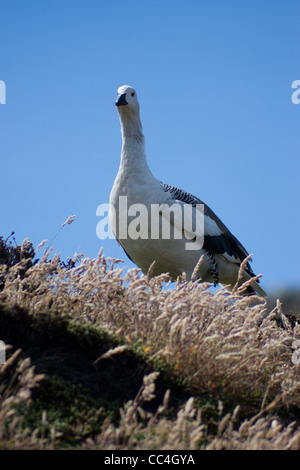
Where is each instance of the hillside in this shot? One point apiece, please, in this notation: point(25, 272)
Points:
point(100, 360)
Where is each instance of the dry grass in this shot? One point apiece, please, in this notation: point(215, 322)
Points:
point(189, 369)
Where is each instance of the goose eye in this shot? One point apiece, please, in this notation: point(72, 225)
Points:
point(132, 94)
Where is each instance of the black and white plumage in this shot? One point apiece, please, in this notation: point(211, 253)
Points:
point(223, 253)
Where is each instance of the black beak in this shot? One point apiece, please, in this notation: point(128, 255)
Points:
point(121, 100)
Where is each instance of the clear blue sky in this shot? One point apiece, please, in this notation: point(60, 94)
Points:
point(214, 84)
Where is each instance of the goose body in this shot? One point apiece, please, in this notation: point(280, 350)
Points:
point(136, 195)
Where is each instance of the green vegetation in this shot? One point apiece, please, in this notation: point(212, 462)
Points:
point(96, 360)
